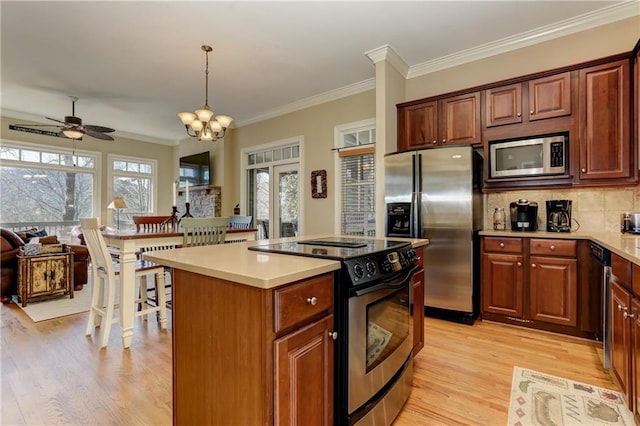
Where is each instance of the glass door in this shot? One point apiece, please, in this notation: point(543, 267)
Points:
point(274, 202)
point(285, 221)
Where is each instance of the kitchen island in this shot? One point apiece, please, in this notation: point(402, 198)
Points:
point(252, 335)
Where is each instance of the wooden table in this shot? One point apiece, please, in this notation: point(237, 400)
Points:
point(130, 242)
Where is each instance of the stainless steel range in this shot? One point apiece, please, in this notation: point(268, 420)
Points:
point(373, 302)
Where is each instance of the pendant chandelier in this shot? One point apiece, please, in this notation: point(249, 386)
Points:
point(203, 125)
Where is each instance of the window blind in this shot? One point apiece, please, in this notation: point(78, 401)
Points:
point(358, 192)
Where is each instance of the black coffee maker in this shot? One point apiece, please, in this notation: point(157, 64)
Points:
point(558, 215)
point(524, 215)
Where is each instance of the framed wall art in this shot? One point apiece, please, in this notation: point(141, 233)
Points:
point(319, 184)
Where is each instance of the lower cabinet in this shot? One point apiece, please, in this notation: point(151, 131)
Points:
point(244, 355)
point(624, 320)
point(44, 275)
point(534, 282)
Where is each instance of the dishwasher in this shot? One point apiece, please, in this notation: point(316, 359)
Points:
point(601, 272)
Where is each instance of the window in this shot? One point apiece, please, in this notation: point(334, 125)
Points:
point(133, 179)
point(357, 178)
point(46, 187)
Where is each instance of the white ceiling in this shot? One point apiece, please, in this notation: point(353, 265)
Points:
point(135, 65)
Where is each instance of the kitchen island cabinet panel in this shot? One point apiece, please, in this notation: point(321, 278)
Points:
point(224, 341)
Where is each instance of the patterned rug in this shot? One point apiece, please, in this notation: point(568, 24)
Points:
point(544, 400)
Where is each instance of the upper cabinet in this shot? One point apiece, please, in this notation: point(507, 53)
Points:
point(538, 99)
point(449, 121)
point(605, 123)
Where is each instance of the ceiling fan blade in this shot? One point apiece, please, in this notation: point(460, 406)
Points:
point(39, 125)
point(55, 119)
point(97, 135)
point(99, 128)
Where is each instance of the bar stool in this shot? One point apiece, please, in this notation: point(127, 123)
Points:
point(103, 288)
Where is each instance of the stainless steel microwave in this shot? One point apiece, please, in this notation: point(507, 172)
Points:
point(537, 156)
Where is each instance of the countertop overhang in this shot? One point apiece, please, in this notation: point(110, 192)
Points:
point(624, 245)
point(235, 262)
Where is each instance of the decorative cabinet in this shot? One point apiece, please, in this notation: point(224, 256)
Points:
point(450, 121)
point(418, 306)
point(44, 275)
point(606, 146)
point(545, 97)
point(534, 282)
point(252, 356)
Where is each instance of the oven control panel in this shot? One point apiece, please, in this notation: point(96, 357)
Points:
point(378, 266)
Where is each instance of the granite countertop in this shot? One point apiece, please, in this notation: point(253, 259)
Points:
point(625, 245)
point(235, 262)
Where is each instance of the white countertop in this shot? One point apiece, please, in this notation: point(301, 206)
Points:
point(235, 262)
point(625, 245)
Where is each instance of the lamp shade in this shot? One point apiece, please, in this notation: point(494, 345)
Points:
point(117, 203)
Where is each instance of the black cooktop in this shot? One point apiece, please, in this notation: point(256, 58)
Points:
point(337, 248)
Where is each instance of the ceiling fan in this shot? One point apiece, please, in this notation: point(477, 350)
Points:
point(71, 127)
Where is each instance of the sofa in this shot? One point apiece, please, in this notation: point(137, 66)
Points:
point(10, 243)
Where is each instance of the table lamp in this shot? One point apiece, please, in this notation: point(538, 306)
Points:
point(117, 204)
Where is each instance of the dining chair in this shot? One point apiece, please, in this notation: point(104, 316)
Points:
point(240, 222)
point(105, 276)
point(204, 231)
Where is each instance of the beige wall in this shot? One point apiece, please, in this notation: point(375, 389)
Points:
point(316, 125)
point(162, 153)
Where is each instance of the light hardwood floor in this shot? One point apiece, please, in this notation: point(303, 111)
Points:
point(51, 373)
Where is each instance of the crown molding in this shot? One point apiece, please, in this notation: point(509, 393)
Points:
point(583, 22)
point(322, 98)
point(388, 54)
point(9, 114)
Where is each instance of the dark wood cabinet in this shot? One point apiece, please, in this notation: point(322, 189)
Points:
point(304, 373)
point(635, 360)
point(450, 121)
point(534, 282)
point(418, 306)
point(546, 97)
point(619, 306)
point(502, 276)
point(605, 147)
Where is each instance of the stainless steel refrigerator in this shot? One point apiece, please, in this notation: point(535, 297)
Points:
point(436, 194)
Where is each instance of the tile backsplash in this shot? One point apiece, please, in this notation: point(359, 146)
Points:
point(592, 209)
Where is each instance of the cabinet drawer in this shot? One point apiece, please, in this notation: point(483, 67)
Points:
point(553, 247)
point(296, 303)
point(503, 245)
point(621, 268)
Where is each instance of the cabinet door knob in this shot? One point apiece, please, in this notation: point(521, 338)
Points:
point(626, 315)
point(313, 301)
point(583, 170)
point(622, 308)
point(518, 115)
point(552, 248)
point(333, 335)
point(519, 263)
point(501, 245)
point(434, 142)
point(531, 112)
point(533, 265)
point(444, 141)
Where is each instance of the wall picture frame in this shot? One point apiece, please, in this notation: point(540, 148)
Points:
point(319, 184)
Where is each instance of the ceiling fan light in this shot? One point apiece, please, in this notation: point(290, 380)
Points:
point(224, 120)
point(187, 117)
point(73, 133)
point(204, 114)
point(215, 126)
point(197, 125)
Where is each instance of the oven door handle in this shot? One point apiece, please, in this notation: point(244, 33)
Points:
point(393, 284)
